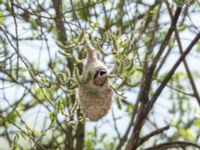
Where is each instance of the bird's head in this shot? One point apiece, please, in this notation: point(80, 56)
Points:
point(100, 77)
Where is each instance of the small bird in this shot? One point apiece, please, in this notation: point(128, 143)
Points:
point(95, 92)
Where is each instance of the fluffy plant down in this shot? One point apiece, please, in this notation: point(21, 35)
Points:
point(95, 92)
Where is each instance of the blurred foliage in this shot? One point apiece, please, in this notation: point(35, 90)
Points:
point(42, 58)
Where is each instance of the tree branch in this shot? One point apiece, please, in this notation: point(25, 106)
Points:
point(147, 79)
point(177, 144)
point(196, 93)
point(171, 72)
point(158, 131)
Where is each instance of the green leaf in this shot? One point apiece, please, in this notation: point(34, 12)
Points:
point(34, 24)
point(94, 25)
point(92, 134)
point(132, 71)
point(179, 2)
point(2, 19)
point(190, 2)
point(43, 81)
point(198, 47)
point(103, 136)
point(60, 106)
point(186, 134)
point(12, 117)
point(197, 123)
point(88, 144)
point(182, 27)
point(50, 114)
point(6, 124)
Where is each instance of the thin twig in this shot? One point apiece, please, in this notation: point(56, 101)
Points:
point(158, 131)
point(16, 36)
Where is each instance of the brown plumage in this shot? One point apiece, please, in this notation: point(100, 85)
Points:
point(94, 93)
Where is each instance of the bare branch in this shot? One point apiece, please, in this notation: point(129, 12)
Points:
point(178, 144)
